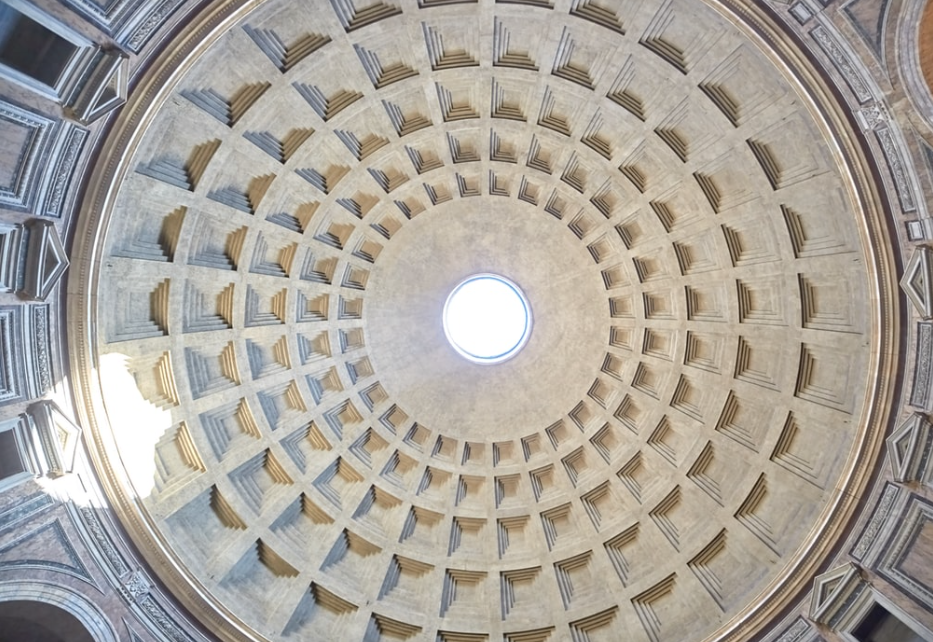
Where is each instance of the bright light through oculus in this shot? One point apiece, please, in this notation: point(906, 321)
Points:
point(487, 319)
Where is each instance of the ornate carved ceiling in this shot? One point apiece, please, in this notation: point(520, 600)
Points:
point(294, 437)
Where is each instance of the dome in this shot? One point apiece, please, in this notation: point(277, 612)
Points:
point(296, 204)
point(278, 398)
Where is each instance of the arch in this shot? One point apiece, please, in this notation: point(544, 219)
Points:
point(73, 603)
point(915, 56)
point(925, 48)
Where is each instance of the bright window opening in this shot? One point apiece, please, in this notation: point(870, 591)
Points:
point(487, 318)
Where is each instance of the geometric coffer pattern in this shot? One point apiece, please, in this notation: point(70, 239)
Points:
point(280, 204)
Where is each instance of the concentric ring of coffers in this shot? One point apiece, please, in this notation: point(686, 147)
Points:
point(687, 187)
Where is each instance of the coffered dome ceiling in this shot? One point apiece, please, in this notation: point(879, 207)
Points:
point(302, 453)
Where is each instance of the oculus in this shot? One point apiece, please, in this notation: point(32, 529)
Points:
point(487, 319)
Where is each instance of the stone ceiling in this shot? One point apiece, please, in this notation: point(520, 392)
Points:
point(315, 459)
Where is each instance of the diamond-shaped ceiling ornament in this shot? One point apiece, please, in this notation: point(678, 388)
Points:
point(917, 282)
point(46, 260)
point(908, 449)
point(832, 593)
point(56, 438)
point(99, 87)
